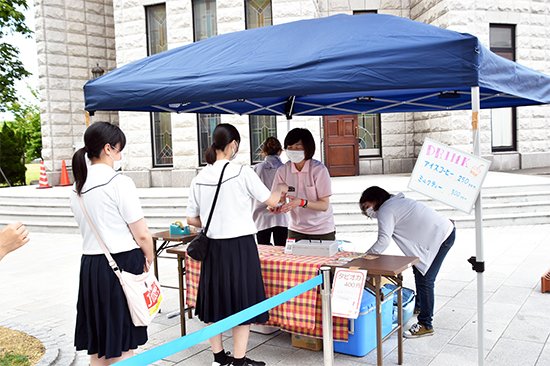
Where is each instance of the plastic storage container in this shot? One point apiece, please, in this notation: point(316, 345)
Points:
point(362, 336)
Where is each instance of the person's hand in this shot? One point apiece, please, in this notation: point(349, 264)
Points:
point(283, 189)
point(294, 202)
point(12, 236)
point(147, 264)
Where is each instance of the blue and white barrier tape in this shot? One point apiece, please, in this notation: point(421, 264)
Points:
point(179, 344)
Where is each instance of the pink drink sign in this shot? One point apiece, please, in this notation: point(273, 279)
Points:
point(449, 175)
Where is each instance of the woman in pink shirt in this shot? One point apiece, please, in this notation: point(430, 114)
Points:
point(310, 210)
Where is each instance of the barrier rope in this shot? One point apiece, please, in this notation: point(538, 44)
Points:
point(179, 344)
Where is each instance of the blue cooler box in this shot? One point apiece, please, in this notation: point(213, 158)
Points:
point(362, 331)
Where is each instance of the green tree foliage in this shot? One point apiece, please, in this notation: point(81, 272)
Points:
point(27, 124)
point(12, 21)
point(12, 155)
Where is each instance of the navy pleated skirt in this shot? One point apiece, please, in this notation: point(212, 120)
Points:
point(103, 323)
point(230, 280)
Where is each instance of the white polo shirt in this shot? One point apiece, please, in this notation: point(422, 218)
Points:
point(233, 212)
point(112, 202)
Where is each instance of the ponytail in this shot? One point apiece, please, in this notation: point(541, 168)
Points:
point(80, 170)
point(210, 154)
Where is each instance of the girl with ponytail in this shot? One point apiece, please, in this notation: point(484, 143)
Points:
point(231, 278)
point(103, 324)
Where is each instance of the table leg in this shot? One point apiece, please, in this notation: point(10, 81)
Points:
point(400, 320)
point(379, 349)
point(181, 293)
point(155, 262)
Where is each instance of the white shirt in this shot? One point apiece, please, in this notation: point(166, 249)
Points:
point(233, 212)
point(112, 202)
point(263, 218)
point(418, 230)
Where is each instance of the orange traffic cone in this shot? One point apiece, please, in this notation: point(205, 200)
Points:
point(43, 182)
point(545, 282)
point(64, 180)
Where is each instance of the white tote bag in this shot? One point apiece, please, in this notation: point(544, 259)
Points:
point(143, 293)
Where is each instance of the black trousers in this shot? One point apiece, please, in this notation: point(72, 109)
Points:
point(280, 233)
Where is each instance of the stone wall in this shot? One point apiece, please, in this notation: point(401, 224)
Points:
point(131, 45)
point(72, 37)
point(532, 44)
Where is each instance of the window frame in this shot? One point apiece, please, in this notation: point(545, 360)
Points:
point(193, 19)
point(151, 114)
point(252, 149)
point(246, 26)
point(199, 135)
point(498, 51)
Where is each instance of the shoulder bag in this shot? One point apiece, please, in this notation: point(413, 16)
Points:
point(142, 292)
point(198, 247)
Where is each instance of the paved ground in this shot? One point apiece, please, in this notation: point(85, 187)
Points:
point(42, 280)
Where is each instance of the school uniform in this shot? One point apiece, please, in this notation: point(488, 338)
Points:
point(103, 323)
point(231, 278)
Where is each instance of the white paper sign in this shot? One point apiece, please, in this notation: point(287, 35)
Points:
point(449, 175)
point(347, 291)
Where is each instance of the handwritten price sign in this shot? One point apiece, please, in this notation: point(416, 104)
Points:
point(449, 175)
point(347, 291)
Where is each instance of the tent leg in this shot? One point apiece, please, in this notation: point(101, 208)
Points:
point(328, 345)
point(478, 261)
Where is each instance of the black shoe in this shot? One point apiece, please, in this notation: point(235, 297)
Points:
point(249, 362)
point(228, 362)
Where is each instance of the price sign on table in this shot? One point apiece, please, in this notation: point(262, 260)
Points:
point(449, 175)
point(347, 291)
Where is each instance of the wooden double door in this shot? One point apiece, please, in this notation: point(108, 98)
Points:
point(341, 145)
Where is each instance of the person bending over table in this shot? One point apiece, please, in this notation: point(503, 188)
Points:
point(310, 210)
point(231, 277)
point(267, 222)
point(419, 231)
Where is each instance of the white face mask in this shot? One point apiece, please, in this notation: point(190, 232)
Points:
point(117, 164)
point(295, 156)
point(233, 153)
point(371, 213)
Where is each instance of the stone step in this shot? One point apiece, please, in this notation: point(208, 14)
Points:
point(49, 211)
point(355, 225)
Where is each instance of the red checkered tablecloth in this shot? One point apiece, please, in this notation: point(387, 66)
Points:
point(280, 272)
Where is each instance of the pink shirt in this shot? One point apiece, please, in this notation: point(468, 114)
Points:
point(312, 183)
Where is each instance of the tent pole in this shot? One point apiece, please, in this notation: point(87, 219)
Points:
point(478, 261)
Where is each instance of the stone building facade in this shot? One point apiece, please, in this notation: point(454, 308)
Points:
point(74, 36)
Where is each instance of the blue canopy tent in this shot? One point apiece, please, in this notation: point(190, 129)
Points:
point(328, 66)
point(336, 65)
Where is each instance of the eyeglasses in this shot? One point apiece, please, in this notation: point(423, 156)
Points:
point(113, 147)
point(364, 209)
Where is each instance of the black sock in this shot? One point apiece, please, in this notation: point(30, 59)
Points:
point(221, 358)
point(238, 361)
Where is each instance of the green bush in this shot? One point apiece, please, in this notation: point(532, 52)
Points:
point(12, 359)
point(12, 155)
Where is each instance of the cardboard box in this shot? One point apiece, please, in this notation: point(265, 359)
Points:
point(305, 342)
